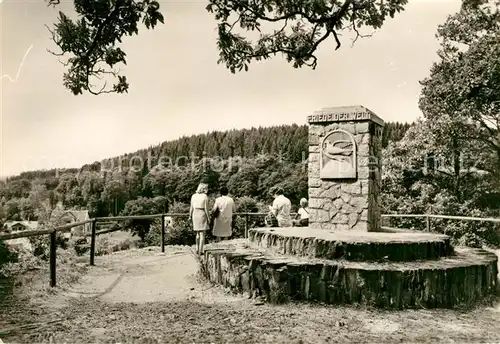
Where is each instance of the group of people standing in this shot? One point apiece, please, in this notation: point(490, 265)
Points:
point(221, 213)
point(220, 217)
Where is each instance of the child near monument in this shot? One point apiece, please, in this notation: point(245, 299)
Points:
point(302, 218)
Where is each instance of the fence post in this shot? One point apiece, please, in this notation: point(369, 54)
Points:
point(428, 223)
point(163, 233)
point(53, 248)
point(92, 243)
point(246, 226)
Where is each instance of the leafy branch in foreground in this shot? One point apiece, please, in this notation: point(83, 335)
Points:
point(91, 41)
point(305, 25)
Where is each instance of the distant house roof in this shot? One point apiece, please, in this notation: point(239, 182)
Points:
point(76, 215)
point(81, 215)
point(30, 225)
point(72, 216)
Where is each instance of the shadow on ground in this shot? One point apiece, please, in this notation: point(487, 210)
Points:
point(143, 296)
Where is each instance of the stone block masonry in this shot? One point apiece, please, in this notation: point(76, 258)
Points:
point(463, 279)
point(343, 257)
point(345, 169)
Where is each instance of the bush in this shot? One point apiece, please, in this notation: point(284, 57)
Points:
point(153, 237)
point(470, 240)
point(248, 205)
point(463, 233)
point(106, 244)
point(25, 261)
point(469, 233)
point(6, 256)
point(41, 244)
point(81, 246)
point(143, 206)
point(239, 227)
point(180, 233)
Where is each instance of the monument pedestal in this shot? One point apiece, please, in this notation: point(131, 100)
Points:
point(336, 260)
point(345, 169)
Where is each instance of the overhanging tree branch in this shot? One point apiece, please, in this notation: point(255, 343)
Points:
point(93, 40)
point(300, 44)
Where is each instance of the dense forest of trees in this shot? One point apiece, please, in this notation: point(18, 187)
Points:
point(248, 161)
point(446, 163)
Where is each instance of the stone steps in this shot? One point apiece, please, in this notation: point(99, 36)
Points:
point(351, 245)
point(464, 278)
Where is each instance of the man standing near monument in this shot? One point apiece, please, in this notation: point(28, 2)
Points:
point(281, 207)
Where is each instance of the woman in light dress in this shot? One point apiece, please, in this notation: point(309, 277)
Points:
point(224, 208)
point(198, 213)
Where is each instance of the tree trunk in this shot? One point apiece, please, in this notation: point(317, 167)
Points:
point(456, 169)
point(497, 172)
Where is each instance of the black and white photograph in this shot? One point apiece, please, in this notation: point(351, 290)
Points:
point(249, 171)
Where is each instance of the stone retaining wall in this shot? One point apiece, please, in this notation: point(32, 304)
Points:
point(451, 282)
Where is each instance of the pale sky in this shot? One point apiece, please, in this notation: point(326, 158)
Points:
point(178, 89)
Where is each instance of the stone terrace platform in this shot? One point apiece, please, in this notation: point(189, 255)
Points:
point(345, 256)
point(386, 270)
point(351, 245)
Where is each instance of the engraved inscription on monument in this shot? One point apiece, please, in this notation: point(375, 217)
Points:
point(339, 117)
point(338, 156)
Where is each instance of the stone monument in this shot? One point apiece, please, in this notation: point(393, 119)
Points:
point(345, 169)
point(345, 256)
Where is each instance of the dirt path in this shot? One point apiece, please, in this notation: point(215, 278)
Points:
point(148, 297)
point(141, 276)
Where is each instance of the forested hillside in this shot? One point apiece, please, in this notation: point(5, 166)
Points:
point(446, 163)
point(248, 161)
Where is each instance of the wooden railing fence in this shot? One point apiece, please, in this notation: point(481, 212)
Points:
point(94, 233)
point(428, 218)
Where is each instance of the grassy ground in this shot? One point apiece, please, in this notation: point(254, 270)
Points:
point(141, 295)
